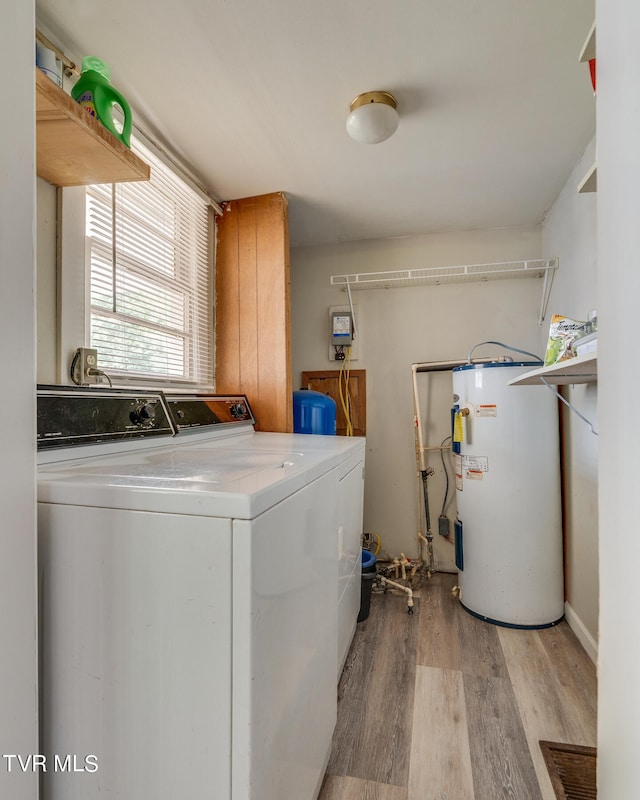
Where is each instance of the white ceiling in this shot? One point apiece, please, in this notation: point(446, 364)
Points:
point(494, 107)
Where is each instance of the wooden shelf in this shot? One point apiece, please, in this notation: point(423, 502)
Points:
point(581, 369)
point(73, 148)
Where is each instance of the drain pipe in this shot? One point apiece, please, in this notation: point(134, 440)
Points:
point(425, 475)
point(385, 581)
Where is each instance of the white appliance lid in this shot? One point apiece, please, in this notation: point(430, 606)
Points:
point(237, 479)
point(215, 465)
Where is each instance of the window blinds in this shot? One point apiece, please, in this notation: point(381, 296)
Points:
point(151, 279)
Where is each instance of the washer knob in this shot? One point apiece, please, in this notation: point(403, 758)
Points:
point(147, 411)
point(238, 410)
point(144, 413)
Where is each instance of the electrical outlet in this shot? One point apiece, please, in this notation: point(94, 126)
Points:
point(84, 361)
point(443, 525)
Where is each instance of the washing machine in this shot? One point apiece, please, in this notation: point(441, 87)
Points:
point(188, 582)
point(190, 418)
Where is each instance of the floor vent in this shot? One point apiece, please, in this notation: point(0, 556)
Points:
point(572, 769)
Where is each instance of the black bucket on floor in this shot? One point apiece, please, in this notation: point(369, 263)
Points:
point(366, 584)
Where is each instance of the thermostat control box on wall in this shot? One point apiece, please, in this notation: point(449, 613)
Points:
point(342, 333)
point(341, 328)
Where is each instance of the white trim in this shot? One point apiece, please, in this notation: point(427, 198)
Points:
point(73, 285)
point(584, 637)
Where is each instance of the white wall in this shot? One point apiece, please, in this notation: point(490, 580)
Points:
point(18, 672)
point(569, 232)
point(398, 327)
point(618, 119)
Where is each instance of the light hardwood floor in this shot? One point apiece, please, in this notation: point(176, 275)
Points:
point(442, 706)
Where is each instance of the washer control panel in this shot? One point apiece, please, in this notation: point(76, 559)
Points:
point(205, 410)
point(70, 417)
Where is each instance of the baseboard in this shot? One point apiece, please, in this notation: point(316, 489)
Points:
point(584, 637)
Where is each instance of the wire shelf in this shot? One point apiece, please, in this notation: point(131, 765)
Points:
point(434, 276)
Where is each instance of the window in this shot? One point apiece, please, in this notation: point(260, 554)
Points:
point(151, 283)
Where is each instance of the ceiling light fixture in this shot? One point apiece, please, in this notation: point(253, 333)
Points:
point(373, 117)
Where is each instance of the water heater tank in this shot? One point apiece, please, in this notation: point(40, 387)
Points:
point(509, 531)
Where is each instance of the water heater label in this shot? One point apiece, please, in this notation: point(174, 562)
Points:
point(474, 475)
point(457, 466)
point(487, 411)
point(475, 463)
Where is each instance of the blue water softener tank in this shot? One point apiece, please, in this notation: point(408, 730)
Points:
point(313, 412)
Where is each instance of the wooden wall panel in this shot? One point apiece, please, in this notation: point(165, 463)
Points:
point(253, 327)
point(227, 311)
point(248, 295)
point(274, 301)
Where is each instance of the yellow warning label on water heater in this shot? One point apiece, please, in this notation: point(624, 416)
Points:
point(458, 428)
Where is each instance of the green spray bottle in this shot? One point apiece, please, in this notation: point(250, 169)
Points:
point(95, 92)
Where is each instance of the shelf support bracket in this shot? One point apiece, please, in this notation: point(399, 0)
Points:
point(547, 283)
